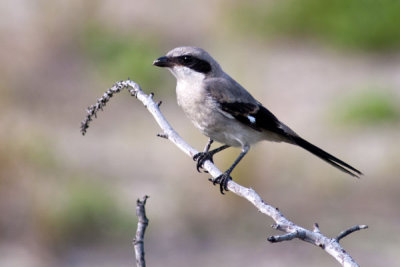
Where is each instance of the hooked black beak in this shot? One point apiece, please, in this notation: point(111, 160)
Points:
point(163, 62)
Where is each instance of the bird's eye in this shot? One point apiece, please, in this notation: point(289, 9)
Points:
point(186, 60)
point(193, 63)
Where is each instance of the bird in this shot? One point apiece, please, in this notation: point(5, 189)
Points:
point(226, 112)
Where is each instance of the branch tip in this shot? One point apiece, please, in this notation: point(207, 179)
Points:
point(162, 135)
point(142, 201)
point(349, 231)
point(101, 102)
point(285, 237)
point(316, 228)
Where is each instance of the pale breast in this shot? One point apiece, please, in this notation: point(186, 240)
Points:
point(196, 105)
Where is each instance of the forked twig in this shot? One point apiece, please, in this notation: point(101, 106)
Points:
point(138, 242)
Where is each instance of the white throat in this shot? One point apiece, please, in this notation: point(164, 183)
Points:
point(185, 74)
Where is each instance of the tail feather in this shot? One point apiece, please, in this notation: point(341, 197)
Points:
point(341, 165)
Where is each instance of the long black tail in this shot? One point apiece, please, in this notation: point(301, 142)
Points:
point(341, 165)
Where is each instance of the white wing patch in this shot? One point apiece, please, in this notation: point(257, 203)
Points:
point(251, 119)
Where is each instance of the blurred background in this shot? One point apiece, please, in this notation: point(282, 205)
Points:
point(328, 69)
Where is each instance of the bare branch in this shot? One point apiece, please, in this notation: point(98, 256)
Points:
point(162, 135)
point(316, 228)
point(138, 242)
point(349, 231)
point(285, 237)
point(330, 245)
point(101, 102)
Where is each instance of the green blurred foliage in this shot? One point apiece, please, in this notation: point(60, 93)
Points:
point(68, 207)
point(118, 56)
point(86, 212)
point(29, 149)
point(365, 24)
point(367, 107)
point(37, 150)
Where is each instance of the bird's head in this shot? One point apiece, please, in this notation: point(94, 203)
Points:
point(189, 62)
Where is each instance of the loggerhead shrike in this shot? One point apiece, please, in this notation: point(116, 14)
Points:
point(225, 112)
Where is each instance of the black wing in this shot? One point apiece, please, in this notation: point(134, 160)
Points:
point(246, 109)
point(255, 116)
point(251, 113)
point(258, 118)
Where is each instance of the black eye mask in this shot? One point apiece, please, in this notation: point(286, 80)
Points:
point(194, 63)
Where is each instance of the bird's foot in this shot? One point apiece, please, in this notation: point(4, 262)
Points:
point(222, 180)
point(202, 157)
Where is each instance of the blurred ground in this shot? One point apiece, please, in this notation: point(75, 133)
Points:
point(68, 200)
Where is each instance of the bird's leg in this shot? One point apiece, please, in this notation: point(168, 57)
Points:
point(224, 178)
point(201, 157)
point(204, 156)
point(207, 147)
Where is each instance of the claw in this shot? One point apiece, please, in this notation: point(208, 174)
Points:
point(196, 156)
point(198, 167)
point(222, 180)
point(202, 157)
